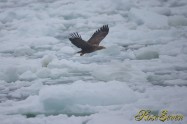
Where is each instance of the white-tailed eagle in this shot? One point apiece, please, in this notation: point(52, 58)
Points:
point(93, 43)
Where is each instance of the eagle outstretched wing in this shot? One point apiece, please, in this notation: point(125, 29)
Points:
point(76, 39)
point(99, 35)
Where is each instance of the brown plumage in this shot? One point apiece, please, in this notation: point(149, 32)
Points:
point(93, 43)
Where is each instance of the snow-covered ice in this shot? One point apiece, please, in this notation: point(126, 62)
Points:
point(44, 81)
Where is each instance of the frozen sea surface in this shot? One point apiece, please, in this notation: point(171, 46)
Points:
point(44, 81)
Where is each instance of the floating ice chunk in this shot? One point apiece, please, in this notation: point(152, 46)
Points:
point(111, 118)
point(11, 74)
point(133, 16)
point(176, 4)
point(24, 89)
point(8, 17)
point(129, 54)
point(46, 60)
point(45, 1)
point(112, 50)
point(150, 19)
point(179, 82)
point(39, 42)
point(172, 48)
point(163, 10)
point(122, 4)
point(177, 21)
point(28, 76)
point(2, 76)
point(116, 70)
point(64, 97)
point(58, 73)
point(147, 55)
point(24, 50)
point(67, 50)
point(43, 73)
point(31, 104)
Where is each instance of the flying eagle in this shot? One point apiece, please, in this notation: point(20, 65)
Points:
point(93, 43)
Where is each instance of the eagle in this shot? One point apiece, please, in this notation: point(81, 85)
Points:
point(92, 44)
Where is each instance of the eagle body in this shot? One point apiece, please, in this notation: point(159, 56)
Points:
point(90, 50)
point(92, 44)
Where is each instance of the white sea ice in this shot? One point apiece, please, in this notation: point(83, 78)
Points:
point(177, 21)
point(43, 79)
point(162, 10)
point(46, 60)
point(150, 19)
point(43, 73)
point(79, 94)
point(24, 50)
point(11, 74)
point(147, 55)
point(28, 76)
